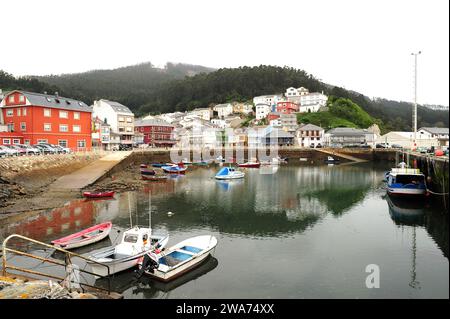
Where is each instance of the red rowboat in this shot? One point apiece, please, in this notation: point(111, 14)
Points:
point(250, 165)
point(85, 237)
point(98, 194)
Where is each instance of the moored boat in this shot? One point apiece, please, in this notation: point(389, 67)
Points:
point(406, 181)
point(174, 169)
point(136, 242)
point(145, 170)
point(178, 259)
point(98, 194)
point(85, 237)
point(158, 164)
point(331, 160)
point(154, 177)
point(250, 165)
point(229, 173)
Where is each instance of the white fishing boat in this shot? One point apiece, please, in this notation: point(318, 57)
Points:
point(178, 259)
point(229, 173)
point(136, 242)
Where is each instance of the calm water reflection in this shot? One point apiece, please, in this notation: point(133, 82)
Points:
point(302, 232)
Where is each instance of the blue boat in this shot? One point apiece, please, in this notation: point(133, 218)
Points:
point(406, 181)
point(158, 164)
point(174, 169)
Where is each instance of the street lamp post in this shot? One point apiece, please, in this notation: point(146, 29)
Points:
point(414, 115)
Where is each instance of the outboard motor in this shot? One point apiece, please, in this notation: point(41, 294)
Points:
point(148, 264)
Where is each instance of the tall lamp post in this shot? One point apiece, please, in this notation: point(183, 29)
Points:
point(414, 115)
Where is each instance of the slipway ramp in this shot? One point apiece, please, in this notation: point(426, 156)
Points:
point(89, 174)
point(345, 156)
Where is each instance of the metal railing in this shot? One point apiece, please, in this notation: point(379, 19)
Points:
point(67, 261)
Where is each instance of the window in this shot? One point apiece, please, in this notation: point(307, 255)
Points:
point(76, 128)
point(42, 141)
point(16, 141)
point(64, 128)
point(47, 127)
point(11, 99)
point(129, 129)
point(129, 120)
point(10, 112)
point(23, 126)
point(121, 119)
point(81, 144)
point(6, 141)
point(121, 129)
point(76, 115)
point(27, 142)
point(63, 114)
point(24, 111)
point(21, 98)
point(18, 112)
point(62, 143)
point(10, 127)
point(47, 112)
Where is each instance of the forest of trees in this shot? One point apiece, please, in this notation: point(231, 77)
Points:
point(179, 87)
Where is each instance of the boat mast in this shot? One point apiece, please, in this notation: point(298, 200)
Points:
point(129, 211)
point(150, 211)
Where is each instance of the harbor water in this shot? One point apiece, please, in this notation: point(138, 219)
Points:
point(283, 232)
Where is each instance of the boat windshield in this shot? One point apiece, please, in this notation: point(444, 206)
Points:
point(409, 179)
point(131, 238)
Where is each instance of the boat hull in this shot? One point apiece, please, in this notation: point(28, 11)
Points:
point(121, 264)
point(252, 165)
point(406, 191)
point(98, 195)
point(71, 242)
point(229, 177)
point(177, 272)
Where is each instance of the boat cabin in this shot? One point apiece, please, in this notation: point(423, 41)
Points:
point(135, 239)
point(406, 176)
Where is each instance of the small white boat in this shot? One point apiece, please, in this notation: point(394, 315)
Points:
point(229, 173)
point(178, 259)
point(136, 242)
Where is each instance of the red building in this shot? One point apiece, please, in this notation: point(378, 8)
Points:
point(273, 116)
point(287, 107)
point(156, 133)
point(43, 118)
point(10, 138)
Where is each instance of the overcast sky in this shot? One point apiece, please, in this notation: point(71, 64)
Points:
point(361, 45)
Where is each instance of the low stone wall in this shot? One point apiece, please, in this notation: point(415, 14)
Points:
point(12, 167)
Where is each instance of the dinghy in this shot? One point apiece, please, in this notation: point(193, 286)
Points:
point(331, 160)
point(154, 177)
point(229, 173)
point(174, 169)
point(98, 194)
point(145, 170)
point(85, 237)
point(250, 165)
point(178, 259)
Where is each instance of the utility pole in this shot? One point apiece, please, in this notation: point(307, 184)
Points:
point(414, 113)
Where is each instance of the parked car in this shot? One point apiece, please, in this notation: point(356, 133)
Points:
point(319, 145)
point(30, 150)
point(61, 149)
point(382, 145)
point(22, 151)
point(431, 150)
point(2, 152)
point(7, 151)
point(45, 149)
point(397, 146)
